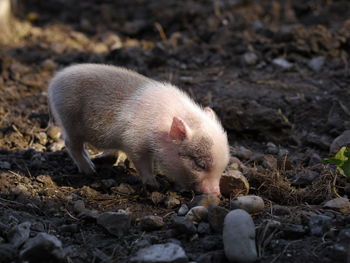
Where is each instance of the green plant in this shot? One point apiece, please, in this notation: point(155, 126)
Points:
point(342, 161)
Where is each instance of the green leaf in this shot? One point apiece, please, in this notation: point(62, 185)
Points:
point(341, 160)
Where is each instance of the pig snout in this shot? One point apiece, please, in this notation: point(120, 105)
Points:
point(209, 187)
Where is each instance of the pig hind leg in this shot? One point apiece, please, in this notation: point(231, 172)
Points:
point(78, 153)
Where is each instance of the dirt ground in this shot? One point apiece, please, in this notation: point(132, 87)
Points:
point(276, 73)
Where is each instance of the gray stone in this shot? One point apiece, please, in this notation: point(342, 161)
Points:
point(282, 63)
point(293, 231)
point(239, 237)
point(5, 165)
point(150, 223)
point(319, 224)
point(198, 214)
point(341, 247)
point(216, 217)
point(243, 153)
point(250, 58)
point(79, 206)
point(116, 223)
point(203, 228)
point(342, 140)
point(42, 248)
point(161, 253)
point(183, 225)
point(7, 253)
point(304, 178)
point(280, 210)
point(339, 204)
point(182, 210)
point(316, 63)
point(212, 257)
point(251, 203)
point(19, 234)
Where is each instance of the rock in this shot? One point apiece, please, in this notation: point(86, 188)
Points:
point(157, 197)
point(182, 210)
point(54, 133)
point(216, 217)
point(42, 137)
point(72, 228)
point(243, 153)
point(116, 223)
point(293, 231)
point(305, 178)
point(150, 223)
point(316, 63)
point(5, 165)
point(342, 140)
point(239, 237)
point(108, 183)
point(198, 214)
point(123, 189)
point(161, 253)
point(7, 253)
point(57, 146)
point(19, 234)
point(282, 63)
point(280, 210)
point(49, 64)
point(172, 201)
point(340, 204)
point(42, 248)
point(319, 224)
point(205, 200)
point(269, 162)
point(271, 148)
point(233, 183)
point(79, 206)
point(183, 225)
point(249, 58)
point(203, 228)
point(251, 203)
point(341, 247)
point(212, 257)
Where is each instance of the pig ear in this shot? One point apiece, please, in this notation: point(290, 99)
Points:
point(179, 130)
point(209, 111)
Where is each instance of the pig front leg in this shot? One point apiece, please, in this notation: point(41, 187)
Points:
point(144, 165)
point(80, 156)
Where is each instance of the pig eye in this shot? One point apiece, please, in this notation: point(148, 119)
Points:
point(199, 163)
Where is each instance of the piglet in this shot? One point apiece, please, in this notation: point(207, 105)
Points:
point(115, 109)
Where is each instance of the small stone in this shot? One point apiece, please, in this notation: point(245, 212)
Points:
point(198, 214)
point(293, 231)
point(243, 153)
point(250, 58)
point(123, 189)
point(305, 178)
point(20, 189)
point(157, 197)
point(57, 146)
point(172, 202)
point(54, 133)
point(5, 165)
point(205, 200)
point(116, 223)
point(49, 64)
point(341, 204)
point(79, 206)
point(203, 228)
point(108, 183)
point(251, 203)
point(282, 63)
point(89, 214)
point(280, 210)
point(182, 210)
point(341, 247)
point(239, 237)
point(342, 140)
point(271, 148)
point(233, 182)
point(269, 162)
point(42, 248)
point(183, 225)
point(216, 217)
point(72, 228)
point(150, 223)
point(212, 257)
point(19, 234)
point(316, 63)
point(161, 253)
point(319, 224)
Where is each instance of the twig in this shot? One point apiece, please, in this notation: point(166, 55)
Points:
point(160, 31)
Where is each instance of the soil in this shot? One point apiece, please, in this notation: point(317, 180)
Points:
point(289, 114)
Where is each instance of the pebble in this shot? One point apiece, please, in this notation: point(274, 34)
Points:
point(198, 214)
point(304, 178)
point(233, 183)
point(150, 223)
point(282, 63)
point(342, 140)
point(205, 200)
point(5, 165)
point(42, 137)
point(293, 231)
point(250, 58)
point(54, 133)
point(183, 210)
point(269, 162)
point(271, 148)
point(203, 228)
point(161, 253)
point(251, 203)
point(79, 206)
point(341, 248)
point(280, 210)
point(341, 204)
point(171, 202)
point(212, 257)
point(19, 234)
point(316, 63)
point(319, 224)
point(183, 225)
point(243, 153)
point(108, 183)
point(124, 189)
point(239, 237)
point(116, 223)
point(42, 248)
point(216, 217)
point(56, 146)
